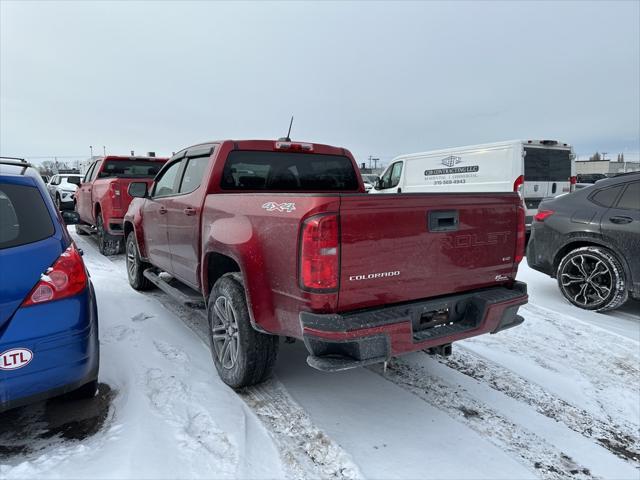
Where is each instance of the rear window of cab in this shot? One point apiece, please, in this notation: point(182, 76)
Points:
point(288, 171)
point(24, 217)
point(130, 169)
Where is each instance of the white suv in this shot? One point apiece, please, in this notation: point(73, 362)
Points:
point(62, 188)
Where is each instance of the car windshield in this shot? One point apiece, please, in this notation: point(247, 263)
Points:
point(590, 177)
point(130, 169)
point(370, 178)
point(75, 180)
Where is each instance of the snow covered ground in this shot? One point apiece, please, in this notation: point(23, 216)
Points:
point(557, 397)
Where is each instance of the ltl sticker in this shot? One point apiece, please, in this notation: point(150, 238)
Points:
point(15, 358)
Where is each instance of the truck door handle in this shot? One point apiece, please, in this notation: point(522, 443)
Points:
point(621, 220)
point(162, 210)
point(189, 211)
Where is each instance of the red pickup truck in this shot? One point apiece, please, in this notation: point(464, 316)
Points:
point(279, 238)
point(101, 200)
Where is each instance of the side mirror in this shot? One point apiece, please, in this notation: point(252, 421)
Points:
point(378, 184)
point(137, 189)
point(70, 218)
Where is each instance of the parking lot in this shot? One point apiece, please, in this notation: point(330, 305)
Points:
point(554, 398)
point(313, 240)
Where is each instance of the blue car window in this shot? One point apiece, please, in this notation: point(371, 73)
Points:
point(24, 217)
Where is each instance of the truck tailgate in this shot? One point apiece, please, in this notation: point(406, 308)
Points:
point(398, 248)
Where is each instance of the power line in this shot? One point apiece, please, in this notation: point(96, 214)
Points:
point(40, 157)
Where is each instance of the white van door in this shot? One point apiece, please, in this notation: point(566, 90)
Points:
point(547, 173)
point(390, 180)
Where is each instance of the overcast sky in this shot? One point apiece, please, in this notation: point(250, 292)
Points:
point(378, 78)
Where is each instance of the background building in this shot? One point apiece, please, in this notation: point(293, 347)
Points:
point(606, 167)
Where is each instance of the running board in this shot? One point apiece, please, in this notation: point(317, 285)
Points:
point(86, 228)
point(175, 289)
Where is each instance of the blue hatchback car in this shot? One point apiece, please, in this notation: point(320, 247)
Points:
point(48, 315)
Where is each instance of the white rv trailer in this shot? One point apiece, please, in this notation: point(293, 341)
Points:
point(535, 168)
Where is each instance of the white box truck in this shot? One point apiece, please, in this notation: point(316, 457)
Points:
point(535, 168)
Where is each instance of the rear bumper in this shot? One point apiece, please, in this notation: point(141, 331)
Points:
point(114, 226)
point(67, 204)
point(63, 337)
point(541, 249)
point(341, 341)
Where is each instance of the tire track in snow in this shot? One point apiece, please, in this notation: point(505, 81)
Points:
point(305, 451)
point(303, 447)
point(618, 439)
point(531, 450)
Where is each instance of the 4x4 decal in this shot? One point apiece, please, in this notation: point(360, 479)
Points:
point(279, 207)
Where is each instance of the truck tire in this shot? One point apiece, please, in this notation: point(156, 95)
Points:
point(592, 278)
point(106, 244)
point(135, 266)
point(242, 355)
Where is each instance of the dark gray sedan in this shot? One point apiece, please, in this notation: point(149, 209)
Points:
point(589, 241)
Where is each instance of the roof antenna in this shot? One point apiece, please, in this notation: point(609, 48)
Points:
point(288, 137)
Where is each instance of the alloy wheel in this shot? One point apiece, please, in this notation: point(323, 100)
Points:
point(132, 265)
point(587, 280)
point(224, 331)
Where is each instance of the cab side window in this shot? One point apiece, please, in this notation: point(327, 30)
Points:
point(87, 175)
point(193, 173)
point(166, 183)
point(395, 174)
point(385, 180)
point(391, 177)
point(95, 171)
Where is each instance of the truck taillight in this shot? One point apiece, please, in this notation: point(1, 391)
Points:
point(518, 185)
point(521, 234)
point(320, 253)
point(115, 194)
point(67, 277)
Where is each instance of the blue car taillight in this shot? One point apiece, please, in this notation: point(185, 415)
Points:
point(67, 277)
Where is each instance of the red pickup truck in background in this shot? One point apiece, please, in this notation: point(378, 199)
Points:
point(101, 200)
point(279, 238)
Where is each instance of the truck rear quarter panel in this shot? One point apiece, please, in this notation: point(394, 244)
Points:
point(264, 242)
point(133, 216)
